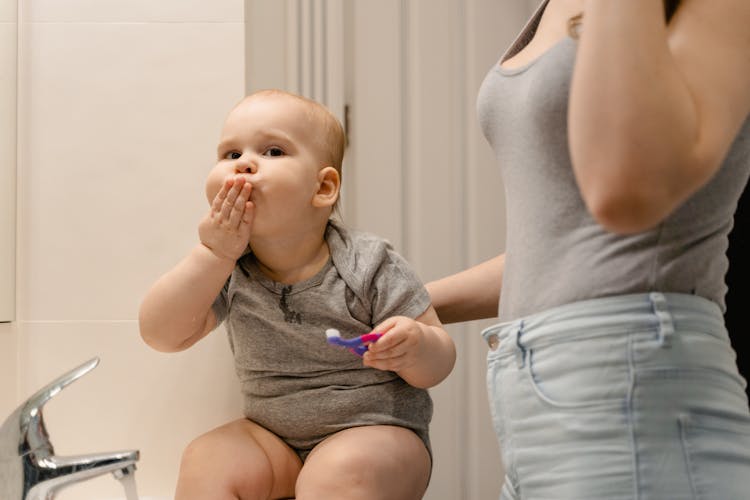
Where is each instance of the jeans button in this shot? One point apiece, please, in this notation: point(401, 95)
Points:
point(493, 342)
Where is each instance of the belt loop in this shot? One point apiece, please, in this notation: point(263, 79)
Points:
point(666, 325)
point(521, 351)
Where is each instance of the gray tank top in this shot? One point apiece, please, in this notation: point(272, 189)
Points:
point(556, 253)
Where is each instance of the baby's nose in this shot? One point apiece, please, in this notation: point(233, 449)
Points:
point(244, 167)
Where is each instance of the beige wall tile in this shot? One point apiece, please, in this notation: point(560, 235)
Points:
point(8, 11)
point(136, 398)
point(121, 106)
point(98, 11)
point(121, 123)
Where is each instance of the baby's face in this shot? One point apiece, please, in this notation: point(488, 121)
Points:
point(269, 140)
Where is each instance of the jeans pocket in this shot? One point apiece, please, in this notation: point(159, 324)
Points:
point(581, 374)
point(716, 447)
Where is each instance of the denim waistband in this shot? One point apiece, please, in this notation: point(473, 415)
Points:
point(664, 312)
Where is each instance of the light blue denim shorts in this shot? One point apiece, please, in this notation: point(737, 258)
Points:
point(627, 397)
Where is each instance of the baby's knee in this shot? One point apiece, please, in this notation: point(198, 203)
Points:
point(200, 452)
point(365, 460)
point(213, 461)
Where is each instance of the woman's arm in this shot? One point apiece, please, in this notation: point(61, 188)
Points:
point(470, 294)
point(655, 108)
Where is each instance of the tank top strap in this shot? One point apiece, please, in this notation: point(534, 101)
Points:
point(526, 34)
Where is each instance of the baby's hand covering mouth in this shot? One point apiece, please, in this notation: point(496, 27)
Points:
point(246, 179)
point(225, 230)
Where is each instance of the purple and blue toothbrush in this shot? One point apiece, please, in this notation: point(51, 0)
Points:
point(357, 345)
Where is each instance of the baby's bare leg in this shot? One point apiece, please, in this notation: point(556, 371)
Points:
point(379, 462)
point(237, 461)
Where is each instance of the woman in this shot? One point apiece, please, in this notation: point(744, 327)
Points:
point(621, 127)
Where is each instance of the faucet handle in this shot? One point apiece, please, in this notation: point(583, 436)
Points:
point(27, 419)
point(37, 400)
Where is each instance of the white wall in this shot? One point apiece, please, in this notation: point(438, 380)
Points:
point(8, 347)
point(121, 103)
point(8, 35)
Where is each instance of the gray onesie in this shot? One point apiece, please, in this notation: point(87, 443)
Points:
point(293, 382)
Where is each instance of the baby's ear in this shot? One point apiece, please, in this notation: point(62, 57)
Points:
point(329, 185)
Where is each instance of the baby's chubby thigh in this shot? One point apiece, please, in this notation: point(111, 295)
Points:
point(240, 459)
point(370, 462)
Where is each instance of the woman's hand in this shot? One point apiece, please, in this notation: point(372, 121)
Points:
point(225, 230)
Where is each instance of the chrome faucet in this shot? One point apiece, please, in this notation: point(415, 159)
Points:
point(29, 469)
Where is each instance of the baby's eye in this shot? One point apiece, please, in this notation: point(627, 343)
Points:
point(273, 151)
point(232, 155)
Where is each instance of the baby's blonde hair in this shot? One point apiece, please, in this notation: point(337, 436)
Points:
point(331, 141)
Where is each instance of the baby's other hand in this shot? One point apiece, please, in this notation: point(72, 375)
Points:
point(225, 230)
point(399, 347)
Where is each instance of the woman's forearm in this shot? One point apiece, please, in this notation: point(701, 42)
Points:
point(470, 294)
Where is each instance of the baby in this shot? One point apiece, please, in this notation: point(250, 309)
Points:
point(320, 422)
